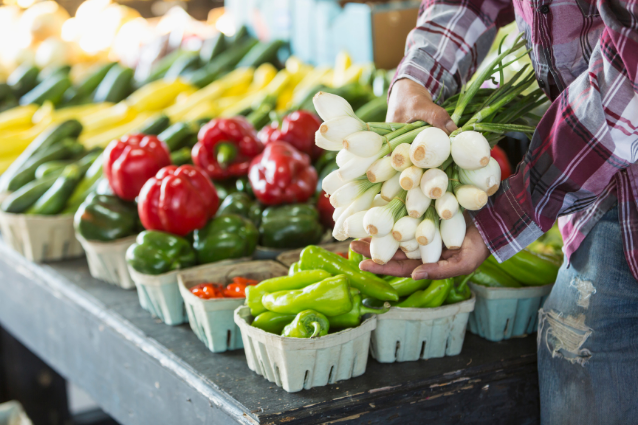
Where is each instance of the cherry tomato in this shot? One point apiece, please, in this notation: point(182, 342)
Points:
point(207, 291)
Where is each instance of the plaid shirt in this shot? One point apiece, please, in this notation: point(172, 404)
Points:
point(581, 160)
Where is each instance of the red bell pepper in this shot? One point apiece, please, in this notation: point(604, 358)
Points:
point(130, 161)
point(326, 210)
point(298, 129)
point(282, 175)
point(225, 147)
point(177, 200)
point(501, 157)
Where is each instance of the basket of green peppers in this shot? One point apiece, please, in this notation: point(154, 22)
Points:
point(509, 294)
point(40, 189)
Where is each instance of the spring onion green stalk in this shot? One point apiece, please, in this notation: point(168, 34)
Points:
point(356, 167)
point(381, 170)
point(379, 221)
point(434, 183)
point(414, 255)
point(391, 187)
point(362, 203)
point(326, 144)
point(446, 206)
point(488, 178)
point(425, 230)
point(407, 246)
point(470, 150)
point(337, 129)
point(330, 106)
point(353, 226)
point(363, 143)
point(401, 157)
point(431, 253)
point(453, 231)
point(430, 148)
point(344, 156)
point(383, 248)
point(347, 193)
point(405, 228)
point(379, 201)
point(411, 177)
point(416, 202)
point(469, 197)
point(332, 182)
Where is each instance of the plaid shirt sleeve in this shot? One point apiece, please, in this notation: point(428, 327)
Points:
point(584, 146)
point(451, 39)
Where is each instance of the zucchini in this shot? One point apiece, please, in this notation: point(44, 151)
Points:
point(240, 35)
point(20, 200)
point(183, 65)
point(115, 86)
point(23, 79)
point(50, 167)
point(154, 125)
point(52, 89)
point(176, 136)
point(162, 65)
point(103, 187)
point(87, 185)
point(52, 71)
point(260, 54)
point(212, 47)
point(181, 156)
point(49, 137)
point(88, 85)
point(54, 199)
point(224, 62)
point(5, 91)
point(380, 84)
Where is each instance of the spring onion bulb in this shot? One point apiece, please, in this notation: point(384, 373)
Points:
point(344, 156)
point(337, 213)
point(430, 148)
point(401, 157)
point(337, 129)
point(405, 228)
point(356, 167)
point(353, 225)
point(330, 106)
point(383, 248)
point(349, 192)
point(411, 245)
point(411, 177)
point(453, 231)
point(381, 170)
point(434, 183)
point(391, 187)
point(446, 206)
point(362, 203)
point(416, 202)
point(470, 197)
point(414, 255)
point(424, 233)
point(332, 182)
point(488, 178)
point(326, 144)
point(379, 201)
point(470, 150)
point(431, 253)
point(379, 221)
point(363, 143)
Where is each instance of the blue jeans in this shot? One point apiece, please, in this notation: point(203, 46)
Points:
point(588, 335)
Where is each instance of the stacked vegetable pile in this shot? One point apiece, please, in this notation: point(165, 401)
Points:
point(406, 185)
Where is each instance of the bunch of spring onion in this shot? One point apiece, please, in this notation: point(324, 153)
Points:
point(406, 185)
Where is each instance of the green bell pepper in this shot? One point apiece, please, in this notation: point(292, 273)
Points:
point(331, 297)
point(224, 237)
point(352, 318)
point(254, 294)
point(156, 252)
point(406, 285)
point(105, 218)
point(241, 204)
point(315, 257)
point(307, 324)
point(273, 322)
point(290, 226)
point(460, 292)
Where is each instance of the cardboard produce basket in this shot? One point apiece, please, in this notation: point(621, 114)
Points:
point(160, 296)
point(410, 334)
point(212, 320)
point(40, 237)
point(107, 260)
point(503, 313)
point(296, 364)
point(289, 257)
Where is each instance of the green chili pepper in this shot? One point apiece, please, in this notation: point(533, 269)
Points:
point(307, 324)
point(331, 297)
point(490, 275)
point(156, 252)
point(406, 285)
point(530, 268)
point(440, 296)
point(352, 318)
point(314, 257)
point(273, 322)
point(294, 268)
point(461, 292)
point(254, 294)
point(355, 257)
point(423, 297)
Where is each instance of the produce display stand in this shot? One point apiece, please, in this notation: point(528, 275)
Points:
point(141, 371)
